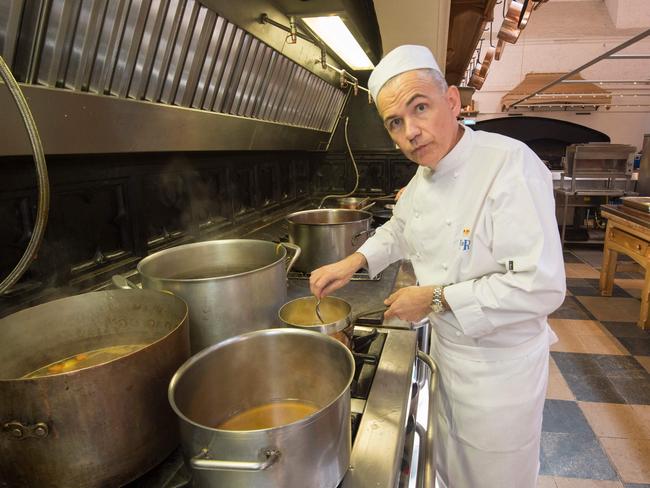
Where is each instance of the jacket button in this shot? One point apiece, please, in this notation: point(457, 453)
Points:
point(444, 265)
point(448, 222)
point(457, 334)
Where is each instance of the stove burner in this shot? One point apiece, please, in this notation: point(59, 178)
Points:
point(362, 276)
point(367, 349)
point(361, 342)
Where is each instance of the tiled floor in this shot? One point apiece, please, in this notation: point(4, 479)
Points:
point(596, 430)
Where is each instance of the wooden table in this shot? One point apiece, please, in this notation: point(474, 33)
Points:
point(628, 232)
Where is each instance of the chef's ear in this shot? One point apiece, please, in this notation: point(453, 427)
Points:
point(453, 98)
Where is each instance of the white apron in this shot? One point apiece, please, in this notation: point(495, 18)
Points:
point(489, 404)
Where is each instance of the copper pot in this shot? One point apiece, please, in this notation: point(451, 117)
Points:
point(509, 31)
point(525, 14)
point(476, 79)
point(487, 61)
point(103, 425)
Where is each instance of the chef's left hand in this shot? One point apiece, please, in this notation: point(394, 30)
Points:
point(412, 303)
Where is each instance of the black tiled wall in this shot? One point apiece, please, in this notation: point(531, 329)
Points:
point(109, 211)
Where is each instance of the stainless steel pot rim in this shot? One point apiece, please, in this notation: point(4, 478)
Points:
point(366, 216)
point(126, 357)
point(353, 199)
point(326, 328)
point(248, 336)
point(183, 247)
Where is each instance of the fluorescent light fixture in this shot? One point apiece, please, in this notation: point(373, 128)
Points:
point(333, 32)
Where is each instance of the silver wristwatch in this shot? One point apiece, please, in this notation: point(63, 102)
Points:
point(437, 305)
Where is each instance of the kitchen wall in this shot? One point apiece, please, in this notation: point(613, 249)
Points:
point(382, 168)
point(562, 36)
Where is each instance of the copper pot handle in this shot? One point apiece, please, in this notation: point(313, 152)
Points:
point(203, 461)
point(18, 430)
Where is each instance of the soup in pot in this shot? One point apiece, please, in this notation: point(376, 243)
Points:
point(269, 415)
point(85, 360)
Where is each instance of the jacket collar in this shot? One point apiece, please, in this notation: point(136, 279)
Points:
point(454, 158)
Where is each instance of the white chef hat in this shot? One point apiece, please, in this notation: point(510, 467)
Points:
point(400, 60)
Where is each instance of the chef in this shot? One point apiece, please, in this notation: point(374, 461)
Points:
point(478, 223)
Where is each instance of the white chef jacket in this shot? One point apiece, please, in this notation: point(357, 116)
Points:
point(482, 223)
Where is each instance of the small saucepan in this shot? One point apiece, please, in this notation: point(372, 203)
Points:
point(338, 321)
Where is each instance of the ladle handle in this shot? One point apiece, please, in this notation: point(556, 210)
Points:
point(203, 461)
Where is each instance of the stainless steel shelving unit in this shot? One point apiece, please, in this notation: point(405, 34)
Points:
point(599, 170)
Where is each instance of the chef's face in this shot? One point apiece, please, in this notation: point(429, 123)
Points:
point(420, 117)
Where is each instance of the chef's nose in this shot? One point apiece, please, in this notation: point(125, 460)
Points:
point(411, 130)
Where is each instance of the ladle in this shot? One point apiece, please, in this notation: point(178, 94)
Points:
point(318, 312)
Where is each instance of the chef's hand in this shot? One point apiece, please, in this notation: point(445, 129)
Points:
point(399, 193)
point(331, 277)
point(412, 303)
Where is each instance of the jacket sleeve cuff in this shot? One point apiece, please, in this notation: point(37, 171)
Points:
point(467, 310)
point(376, 262)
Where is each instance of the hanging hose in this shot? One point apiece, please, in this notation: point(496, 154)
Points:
point(354, 164)
point(41, 172)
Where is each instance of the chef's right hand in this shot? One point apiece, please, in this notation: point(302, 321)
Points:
point(331, 277)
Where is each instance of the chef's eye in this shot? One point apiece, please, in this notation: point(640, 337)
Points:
point(420, 107)
point(394, 124)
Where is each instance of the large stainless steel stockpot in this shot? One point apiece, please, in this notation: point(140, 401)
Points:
point(252, 370)
point(101, 426)
point(327, 235)
point(231, 286)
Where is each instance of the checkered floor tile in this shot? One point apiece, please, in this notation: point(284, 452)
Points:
point(596, 430)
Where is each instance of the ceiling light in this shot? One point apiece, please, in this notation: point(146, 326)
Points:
point(333, 32)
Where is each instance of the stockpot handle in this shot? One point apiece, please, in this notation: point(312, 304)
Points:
point(427, 477)
point(121, 282)
point(289, 246)
point(355, 237)
point(203, 461)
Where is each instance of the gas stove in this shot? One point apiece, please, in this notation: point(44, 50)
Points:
point(385, 391)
